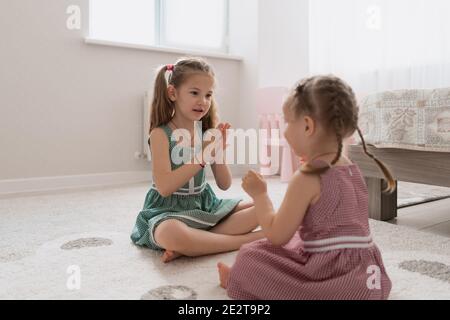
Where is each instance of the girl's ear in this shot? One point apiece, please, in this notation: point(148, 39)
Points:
point(172, 93)
point(310, 126)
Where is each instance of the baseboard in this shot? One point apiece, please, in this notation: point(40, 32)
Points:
point(48, 184)
point(45, 184)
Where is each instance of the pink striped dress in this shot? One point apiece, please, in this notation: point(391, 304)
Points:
point(332, 256)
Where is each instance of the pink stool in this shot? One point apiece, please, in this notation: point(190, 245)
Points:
point(270, 115)
point(290, 162)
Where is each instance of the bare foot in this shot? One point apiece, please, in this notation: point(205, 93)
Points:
point(224, 274)
point(170, 256)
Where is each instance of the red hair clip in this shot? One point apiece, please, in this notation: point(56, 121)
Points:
point(170, 67)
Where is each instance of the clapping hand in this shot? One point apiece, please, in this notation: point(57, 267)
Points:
point(215, 148)
point(254, 184)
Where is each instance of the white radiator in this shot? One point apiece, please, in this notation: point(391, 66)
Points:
point(145, 152)
point(147, 102)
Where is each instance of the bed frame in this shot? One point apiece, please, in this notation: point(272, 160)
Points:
point(431, 168)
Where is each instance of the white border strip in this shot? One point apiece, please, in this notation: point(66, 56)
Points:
point(340, 246)
point(186, 189)
point(336, 240)
point(186, 192)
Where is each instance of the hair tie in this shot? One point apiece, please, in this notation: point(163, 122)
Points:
point(170, 67)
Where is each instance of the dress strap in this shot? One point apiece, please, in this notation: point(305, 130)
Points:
point(167, 130)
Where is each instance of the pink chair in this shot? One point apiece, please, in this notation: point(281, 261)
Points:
point(270, 116)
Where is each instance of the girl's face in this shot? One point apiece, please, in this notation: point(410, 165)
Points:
point(297, 132)
point(194, 97)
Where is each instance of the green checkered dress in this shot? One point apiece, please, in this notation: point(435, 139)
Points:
point(195, 204)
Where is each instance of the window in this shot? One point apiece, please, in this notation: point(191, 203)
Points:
point(193, 24)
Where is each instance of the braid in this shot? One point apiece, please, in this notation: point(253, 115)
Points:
point(364, 145)
point(337, 121)
point(340, 148)
point(391, 185)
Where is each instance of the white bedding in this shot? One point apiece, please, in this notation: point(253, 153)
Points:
point(407, 119)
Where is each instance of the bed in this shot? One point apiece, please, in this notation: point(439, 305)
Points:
point(409, 130)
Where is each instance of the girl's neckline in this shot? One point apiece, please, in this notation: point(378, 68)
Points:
point(351, 164)
point(170, 133)
point(170, 128)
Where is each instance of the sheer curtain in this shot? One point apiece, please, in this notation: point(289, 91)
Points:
point(382, 44)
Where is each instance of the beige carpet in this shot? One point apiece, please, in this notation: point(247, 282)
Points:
point(411, 193)
point(43, 237)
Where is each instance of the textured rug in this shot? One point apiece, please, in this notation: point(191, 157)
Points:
point(410, 194)
point(75, 245)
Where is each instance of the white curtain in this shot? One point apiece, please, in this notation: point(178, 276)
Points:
point(381, 45)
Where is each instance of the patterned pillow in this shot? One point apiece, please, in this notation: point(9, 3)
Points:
point(407, 119)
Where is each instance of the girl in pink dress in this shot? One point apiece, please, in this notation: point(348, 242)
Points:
point(318, 244)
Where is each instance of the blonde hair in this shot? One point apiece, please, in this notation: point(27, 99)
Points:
point(162, 108)
point(332, 102)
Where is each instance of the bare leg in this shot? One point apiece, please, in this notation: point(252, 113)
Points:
point(243, 205)
point(170, 256)
point(244, 215)
point(241, 221)
point(224, 274)
point(177, 237)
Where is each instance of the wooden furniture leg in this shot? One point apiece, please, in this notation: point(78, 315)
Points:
point(382, 206)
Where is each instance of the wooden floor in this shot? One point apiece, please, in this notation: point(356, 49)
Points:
point(433, 217)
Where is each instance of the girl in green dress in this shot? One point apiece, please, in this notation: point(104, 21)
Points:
point(181, 214)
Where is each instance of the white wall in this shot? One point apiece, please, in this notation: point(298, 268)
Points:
point(283, 42)
point(244, 41)
point(69, 108)
point(273, 37)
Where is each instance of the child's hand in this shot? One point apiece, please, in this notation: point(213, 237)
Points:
point(223, 127)
point(220, 144)
point(254, 184)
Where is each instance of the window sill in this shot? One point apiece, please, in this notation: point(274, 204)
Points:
point(217, 55)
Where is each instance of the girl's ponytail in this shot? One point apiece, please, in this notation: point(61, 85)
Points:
point(387, 174)
point(162, 108)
